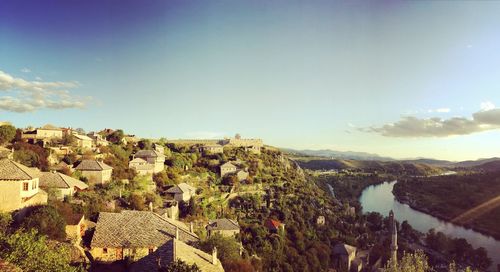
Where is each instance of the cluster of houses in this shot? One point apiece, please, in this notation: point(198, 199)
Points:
point(148, 239)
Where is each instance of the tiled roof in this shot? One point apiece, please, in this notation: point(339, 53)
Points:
point(143, 229)
point(148, 154)
point(191, 255)
point(273, 224)
point(176, 249)
point(73, 219)
point(59, 180)
point(93, 165)
point(181, 188)
point(11, 170)
point(343, 249)
point(223, 224)
point(50, 127)
point(138, 160)
point(227, 164)
point(82, 137)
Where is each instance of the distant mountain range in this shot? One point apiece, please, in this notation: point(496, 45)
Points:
point(347, 155)
point(487, 164)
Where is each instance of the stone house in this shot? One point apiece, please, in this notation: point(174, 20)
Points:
point(182, 192)
point(95, 171)
point(224, 227)
point(98, 139)
point(227, 168)
point(212, 149)
point(84, 142)
point(63, 185)
point(170, 209)
point(45, 133)
point(344, 256)
point(142, 167)
point(242, 175)
point(134, 235)
point(153, 157)
point(19, 187)
point(75, 227)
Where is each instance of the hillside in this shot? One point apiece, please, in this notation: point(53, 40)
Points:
point(392, 167)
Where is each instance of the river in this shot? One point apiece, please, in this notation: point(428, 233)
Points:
point(379, 198)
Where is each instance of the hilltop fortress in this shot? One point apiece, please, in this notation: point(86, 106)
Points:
point(253, 145)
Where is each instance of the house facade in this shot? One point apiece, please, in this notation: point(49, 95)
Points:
point(182, 192)
point(84, 142)
point(227, 168)
point(153, 157)
point(96, 172)
point(75, 227)
point(134, 235)
point(19, 187)
point(62, 184)
point(142, 167)
point(224, 227)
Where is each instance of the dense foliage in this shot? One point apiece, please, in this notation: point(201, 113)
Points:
point(450, 196)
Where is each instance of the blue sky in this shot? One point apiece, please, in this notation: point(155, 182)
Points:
point(402, 79)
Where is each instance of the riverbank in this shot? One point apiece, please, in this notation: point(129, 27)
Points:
point(468, 201)
point(380, 199)
point(405, 200)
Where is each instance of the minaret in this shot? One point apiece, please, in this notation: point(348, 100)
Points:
point(394, 238)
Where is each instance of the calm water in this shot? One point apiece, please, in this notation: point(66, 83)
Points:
point(379, 198)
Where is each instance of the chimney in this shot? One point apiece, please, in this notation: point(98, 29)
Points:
point(191, 229)
point(151, 206)
point(120, 193)
point(174, 250)
point(176, 232)
point(214, 255)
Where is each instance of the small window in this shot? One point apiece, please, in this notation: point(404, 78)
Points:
point(25, 186)
point(151, 250)
point(33, 185)
point(105, 250)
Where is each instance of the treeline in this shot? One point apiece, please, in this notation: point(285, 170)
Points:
point(450, 196)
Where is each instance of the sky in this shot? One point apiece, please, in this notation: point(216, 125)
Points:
point(404, 79)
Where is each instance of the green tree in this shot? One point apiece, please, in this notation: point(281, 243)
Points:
point(137, 201)
point(46, 220)
point(144, 144)
point(31, 252)
point(116, 136)
point(7, 133)
point(227, 247)
point(411, 262)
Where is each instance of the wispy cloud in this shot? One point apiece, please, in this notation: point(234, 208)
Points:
point(205, 135)
point(25, 96)
point(26, 70)
point(487, 105)
point(439, 110)
point(409, 126)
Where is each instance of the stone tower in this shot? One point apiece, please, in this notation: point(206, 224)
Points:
point(394, 238)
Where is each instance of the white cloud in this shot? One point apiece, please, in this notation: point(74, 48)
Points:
point(26, 96)
point(26, 70)
point(38, 78)
point(409, 126)
point(440, 110)
point(487, 105)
